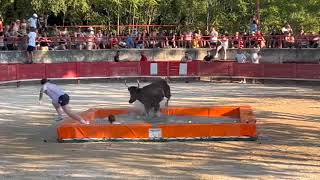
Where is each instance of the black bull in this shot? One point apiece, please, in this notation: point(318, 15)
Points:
point(151, 95)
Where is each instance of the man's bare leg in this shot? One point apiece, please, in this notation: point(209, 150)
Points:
point(59, 111)
point(68, 111)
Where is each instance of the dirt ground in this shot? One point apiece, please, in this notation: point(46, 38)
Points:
point(288, 146)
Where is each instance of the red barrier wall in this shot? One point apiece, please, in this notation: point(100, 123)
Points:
point(61, 70)
point(10, 72)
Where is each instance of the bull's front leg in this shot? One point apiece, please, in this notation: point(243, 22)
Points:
point(157, 110)
point(147, 108)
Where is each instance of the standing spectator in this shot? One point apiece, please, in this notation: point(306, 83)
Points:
point(196, 41)
point(224, 43)
point(206, 39)
point(188, 39)
point(172, 41)
point(254, 27)
point(32, 36)
point(255, 57)
point(289, 41)
point(79, 39)
point(286, 29)
point(143, 57)
point(241, 58)
point(260, 40)
point(99, 42)
point(1, 24)
point(90, 39)
point(214, 38)
point(1, 41)
point(237, 41)
point(33, 21)
point(23, 27)
point(116, 58)
point(186, 57)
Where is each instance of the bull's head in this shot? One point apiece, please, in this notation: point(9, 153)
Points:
point(134, 91)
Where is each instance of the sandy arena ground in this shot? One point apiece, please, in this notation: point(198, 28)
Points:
point(288, 147)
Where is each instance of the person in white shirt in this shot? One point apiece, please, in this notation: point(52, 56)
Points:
point(60, 100)
point(33, 21)
point(255, 57)
point(241, 58)
point(32, 36)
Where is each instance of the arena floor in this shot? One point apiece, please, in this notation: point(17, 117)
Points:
point(288, 146)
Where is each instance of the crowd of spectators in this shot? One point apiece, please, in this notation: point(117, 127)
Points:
point(15, 37)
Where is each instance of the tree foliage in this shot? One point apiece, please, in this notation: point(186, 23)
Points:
point(226, 15)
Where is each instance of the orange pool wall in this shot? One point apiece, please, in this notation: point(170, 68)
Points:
point(245, 127)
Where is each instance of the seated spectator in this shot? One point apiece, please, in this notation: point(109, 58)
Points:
point(224, 44)
point(140, 41)
point(44, 42)
point(143, 57)
point(302, 40)
point(64, 32)
point(130, 41)
point(114, 42)
point(63, 41)
point(314, 40)
point(289, 41)
point(186, 57)
point(209, 57)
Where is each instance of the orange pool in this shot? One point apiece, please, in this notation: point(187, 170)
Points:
point(244, 128)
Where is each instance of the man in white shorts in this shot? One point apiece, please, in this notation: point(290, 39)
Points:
point(224, 45)
point(32, 37)
point(60, 100)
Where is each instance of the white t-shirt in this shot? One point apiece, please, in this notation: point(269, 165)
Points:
point(33, 22)
point(255, 58)
point(53, 91)
point(241, 58)
point(32, 39)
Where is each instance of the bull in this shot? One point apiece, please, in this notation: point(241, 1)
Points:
point(151, 95)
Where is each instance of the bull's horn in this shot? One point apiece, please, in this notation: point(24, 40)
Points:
point(138, 83)
point(125, 83)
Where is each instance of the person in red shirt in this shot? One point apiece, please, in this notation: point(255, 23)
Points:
point(1, 24)
point(143, 57)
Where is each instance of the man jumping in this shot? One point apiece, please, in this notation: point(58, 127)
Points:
point(60, 100)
